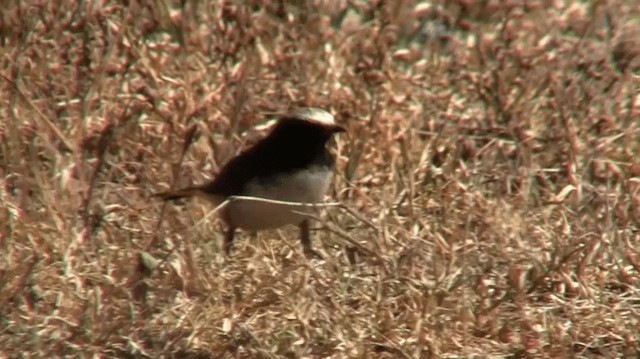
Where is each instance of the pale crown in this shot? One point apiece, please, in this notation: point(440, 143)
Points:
point(313, 114)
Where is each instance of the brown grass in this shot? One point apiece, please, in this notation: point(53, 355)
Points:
point(490, 182)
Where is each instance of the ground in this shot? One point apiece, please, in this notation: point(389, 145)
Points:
point(486, 201)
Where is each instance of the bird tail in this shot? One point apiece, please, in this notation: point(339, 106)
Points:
point(180, 193)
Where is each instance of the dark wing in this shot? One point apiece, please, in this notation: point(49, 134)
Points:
point(290, 146)
point(235, 175)
point(231, 180)
point(272, 156)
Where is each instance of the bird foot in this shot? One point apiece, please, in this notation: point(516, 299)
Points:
point(311, 254)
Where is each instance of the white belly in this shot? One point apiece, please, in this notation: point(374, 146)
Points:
point(309, 186)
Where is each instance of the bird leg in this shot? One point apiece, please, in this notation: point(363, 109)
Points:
point(228, 239)
point(305, 238)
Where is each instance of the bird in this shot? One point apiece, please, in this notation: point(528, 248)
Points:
point(291, 164)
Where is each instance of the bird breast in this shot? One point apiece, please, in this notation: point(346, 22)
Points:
point(301, 186)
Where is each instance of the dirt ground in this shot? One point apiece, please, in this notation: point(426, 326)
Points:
point(486, 200)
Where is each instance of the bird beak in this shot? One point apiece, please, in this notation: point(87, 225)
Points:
point(338, 128)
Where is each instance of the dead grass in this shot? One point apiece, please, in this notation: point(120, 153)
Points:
point(490, 181)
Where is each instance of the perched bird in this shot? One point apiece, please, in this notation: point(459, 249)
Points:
point(291, 164)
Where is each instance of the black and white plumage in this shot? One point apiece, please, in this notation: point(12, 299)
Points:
point(291, 164)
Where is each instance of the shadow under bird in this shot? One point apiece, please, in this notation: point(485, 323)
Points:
point(291, 164)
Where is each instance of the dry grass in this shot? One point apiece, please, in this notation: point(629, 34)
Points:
point(490, 181)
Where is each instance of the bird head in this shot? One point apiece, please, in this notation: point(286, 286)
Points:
point(310, 123)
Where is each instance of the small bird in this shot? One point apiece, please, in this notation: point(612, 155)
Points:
point(290, 164)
